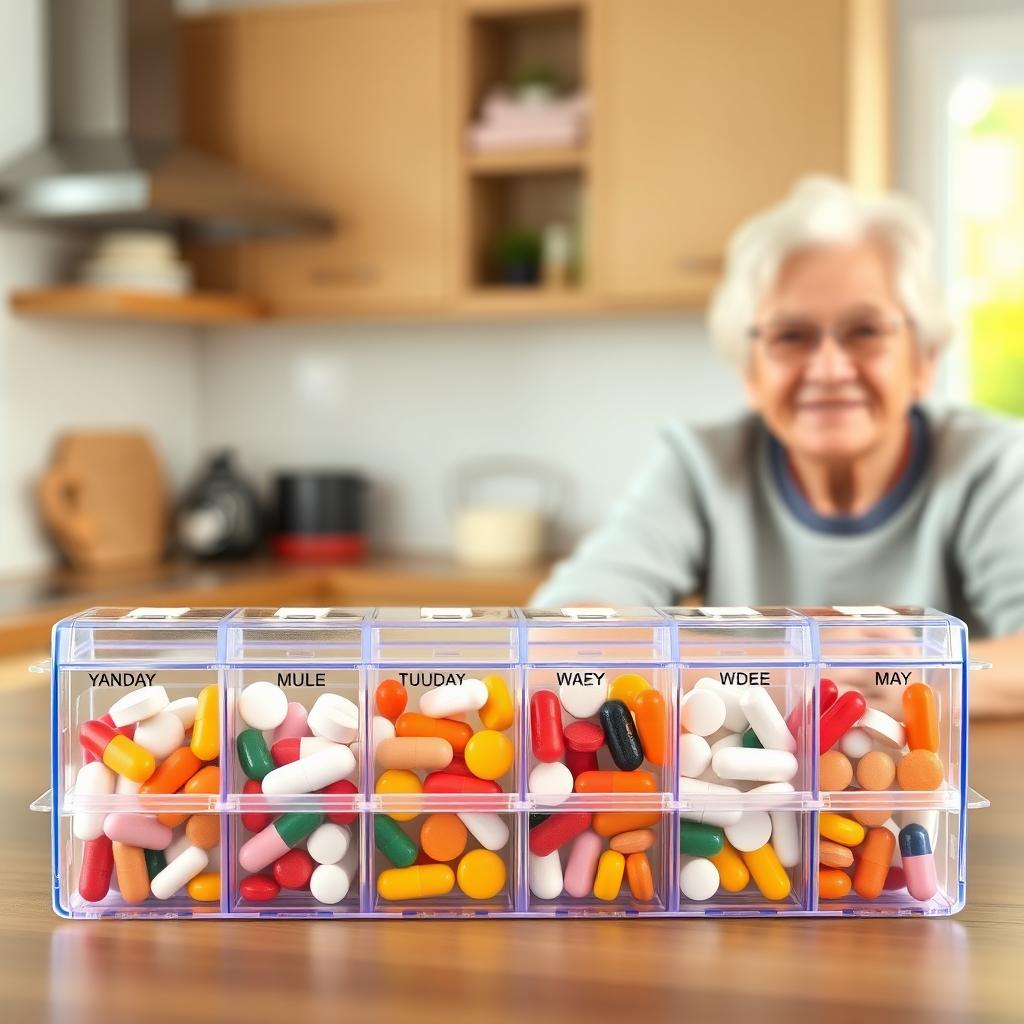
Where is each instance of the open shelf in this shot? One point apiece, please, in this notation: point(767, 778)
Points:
point(526, 161)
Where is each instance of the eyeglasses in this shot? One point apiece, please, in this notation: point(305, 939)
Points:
point(861, 337)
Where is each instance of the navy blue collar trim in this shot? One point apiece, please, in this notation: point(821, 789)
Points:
point(883, 510)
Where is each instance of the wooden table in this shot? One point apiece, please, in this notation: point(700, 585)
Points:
point(969, 967)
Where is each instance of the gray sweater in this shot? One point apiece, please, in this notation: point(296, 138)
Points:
point(714, 511)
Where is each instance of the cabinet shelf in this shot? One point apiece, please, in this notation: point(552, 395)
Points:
point(527, 161)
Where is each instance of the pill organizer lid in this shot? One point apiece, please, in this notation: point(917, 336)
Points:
point(741, 635)
point(138, 634)
point(280, 635)
point(882, 633)
point(444, 635)
point(596, 635)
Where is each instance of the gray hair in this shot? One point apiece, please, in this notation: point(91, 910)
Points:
point(820, 210)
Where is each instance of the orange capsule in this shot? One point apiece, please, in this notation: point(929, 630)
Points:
point(652, 724)
point(173, 773)
point(411, 723)
point(873, 860)
point(206, 780)
point(132, 877)
point(616, 782)
point(612, 823)
point(921, 717)
point(833, 884)
point(639, 877)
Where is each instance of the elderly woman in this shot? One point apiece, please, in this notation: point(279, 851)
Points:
point(839, 487)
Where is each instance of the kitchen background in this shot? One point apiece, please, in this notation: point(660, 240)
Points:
point(469, 368)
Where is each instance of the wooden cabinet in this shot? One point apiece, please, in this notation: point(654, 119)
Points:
point(706, 112)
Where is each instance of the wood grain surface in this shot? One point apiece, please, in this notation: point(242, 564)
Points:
point(964, 968)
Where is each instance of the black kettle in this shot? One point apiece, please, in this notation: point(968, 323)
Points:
point(220, 516)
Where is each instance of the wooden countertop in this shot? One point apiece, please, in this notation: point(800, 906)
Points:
point(962, 968)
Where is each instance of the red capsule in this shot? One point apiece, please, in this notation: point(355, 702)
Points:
point(349, 789)
point(258, 888)
point(580, 761)
point(97, 867)
point(584, 737)
point(255, 821)
point(895, 879)
point(446, 782)
point(840, 718)
point(546, 726)
point(458, 766)
point(554, 832)
point(124, 730)
point(827, 694)
point(294, 869)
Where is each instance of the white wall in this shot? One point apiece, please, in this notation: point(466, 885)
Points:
point(57, 375)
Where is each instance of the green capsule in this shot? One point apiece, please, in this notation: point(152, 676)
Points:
point(393, 842)
point(294, 827)
point(536, 819)
point(750, 740)
point(254, 754)
point(156, 861)
point(697, 840)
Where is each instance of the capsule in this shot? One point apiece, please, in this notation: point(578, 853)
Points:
point(652, 725)
point(873, 860)
point(833, 884)
point(579, 762)
point(254, 754)
point(179, 872)
point(620, 733)
point(127, 731)
point(117, 752)
point(732, 872)
point(610, 869)
point(286, 832)
point(767, 872)
point(206, 780)
point(557, 830)
point(205, 741)
point(446, 782)
point(173, 773)
point(840, 829)
point(918, 862)
point(97, 867)
point(411, 723)
point(546, 737)
point(616, 782)
point(613, 823)
point(842, 716)
point(393, 842)
point(414, 753)
point(205, 887)
point(697, 840)
point(639, 877)
point(921, 717)
point(498, 713)
point(414, 883)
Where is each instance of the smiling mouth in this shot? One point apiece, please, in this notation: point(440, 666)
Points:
point(832, 405)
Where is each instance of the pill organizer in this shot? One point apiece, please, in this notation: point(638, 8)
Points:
point(499, 762)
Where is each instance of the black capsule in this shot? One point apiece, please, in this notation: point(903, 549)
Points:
point(914, 841)
point(536, 819)
point(621, 736)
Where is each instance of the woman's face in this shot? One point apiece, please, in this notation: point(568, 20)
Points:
point(834, 366)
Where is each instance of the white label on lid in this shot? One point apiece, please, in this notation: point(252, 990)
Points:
point(730, 612)
point(302, 613)
point(863, 609)
point(446, 613)
point(588, 613)
point(157, 613)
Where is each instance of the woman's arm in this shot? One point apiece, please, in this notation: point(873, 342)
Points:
point(999, 691)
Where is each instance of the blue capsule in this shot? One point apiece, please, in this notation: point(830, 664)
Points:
point(914, 841)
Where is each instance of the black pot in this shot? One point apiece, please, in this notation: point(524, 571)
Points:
point(319, 517)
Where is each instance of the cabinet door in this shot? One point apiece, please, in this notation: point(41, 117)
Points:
point(349, 113)
point(707, 111)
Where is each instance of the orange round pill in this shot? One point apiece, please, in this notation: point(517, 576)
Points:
point(391, 698)
point(920, 769)
point(443, 837)
point(834, 855)
point(203, 830)
point(875, 771)
point(834, 771)
point(833, 884)
point(872, 819)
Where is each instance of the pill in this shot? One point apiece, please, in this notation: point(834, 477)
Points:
point(93, 779)
point(456, 733)
point(839, 718)
point(330, 883)
point(96, 871)
point(582, 693)
point(833, 884)
point(179, 872)
point(546, 738)
point(414, 753)
point(205, 887)
point(458, 766)
point(205, 741)
point(127, 731)
point(702, 712)
point(855, 743)
point(786, 837)
point(285, 832)
point(627, 688)
point(749, 739)
point(920, 769)
point(698, 879)
point(891, 825)
point(294, 725)
point(545, 876)
point(293, 870)
point(398, 781)
point(291, 749)
point(254, 754)
point(733, 873)
point(581, 866)
point(340, 815)
point(262, 705)
point(876, 771)
point(132, 877)
point(639, 877)
point(258, 888)
point(175, 771)
point(921, 717)
point(928, 819)
point(328, 843)
point(413, 883)
point(767, 871)
point(580, 761)
point(754, 765)
point(447, 782)
point(834, 855)
point(309, 774)
point(608, 880)
point(613, 823)
point(621, 735)
point(696, 840)
point(185, 710)
point(637, 841)
point(205, 781)
point(883, 728)
point(871, 818)
point(918, 862)
point(489, 754)
point(652, 725)
point(616, 782)
point(469, 695)
point(726, 742)
point(552, 780)
point(489, 830)
point(137, 830)
point(203, 830)
point(116, 751)
point(840, 829)
point(583, 737)
point(835, 772)
point(393, 842)
point(694, 755)
point(498, 712)
point(732, 697)
point(161, 734)
point(481, 874)
point(156, 861)
point(443, 837)
point(391, 698)
point(334, 717)
point(873, 861)
point(557, 830)
point(712, 815)
point(751, 832)
point(125, 787)
point(767, 722)
point(138, 705)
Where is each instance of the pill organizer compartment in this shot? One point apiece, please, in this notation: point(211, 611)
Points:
point(100, 657)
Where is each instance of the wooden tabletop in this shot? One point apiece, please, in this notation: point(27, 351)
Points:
point(964, 968)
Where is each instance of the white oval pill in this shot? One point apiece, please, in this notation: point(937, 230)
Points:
point(334, 717)
point(308, 774)
point(732, 696)
point(139, 705)
point(185, 709)
point(262, 705)
point(93, 779)
point(884, 728)
point(855, 743)
point(489, 830)
point(751, 832)
point(752, 765)
point(782, 788)
point(767, 722)
point(125, 787)
point(551, 780)
point(383, 729)
point(694, 754)
point(179, 872)
point(445, 701)
point(719, 817)
point(702, 712)
point(785, 837)
point(546, 876)
point(583, 699)
point(161, 735)
point(698, 879)
point(329, 843)
point(329, 883)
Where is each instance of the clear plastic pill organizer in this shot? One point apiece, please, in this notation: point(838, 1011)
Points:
point(495, 762)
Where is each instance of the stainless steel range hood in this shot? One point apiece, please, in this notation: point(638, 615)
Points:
point(112, 156)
